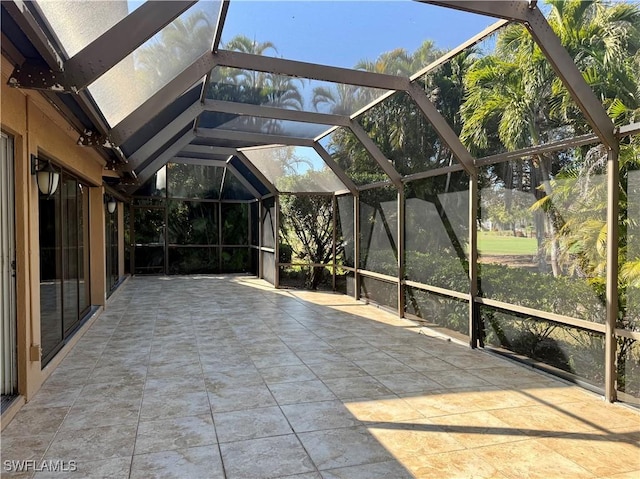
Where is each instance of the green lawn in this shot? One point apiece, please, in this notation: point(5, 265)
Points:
point(491, 244)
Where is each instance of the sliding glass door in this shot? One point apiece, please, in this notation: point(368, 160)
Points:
point(64, 256)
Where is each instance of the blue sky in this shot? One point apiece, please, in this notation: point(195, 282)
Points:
point(341, 33)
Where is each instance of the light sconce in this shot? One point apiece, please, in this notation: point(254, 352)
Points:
point(47, 176)
point(111, 203)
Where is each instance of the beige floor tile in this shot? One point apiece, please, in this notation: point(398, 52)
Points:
point(601, 454)
point(395, 409)
point(251, 424)
point(93, 444)
point(477, 429)
point(23, 448)
point(414, 438)
point(283, 374)
point(337, 369)
point(197, 462)
point(358, 387)
point(300, 392)
point(456, 378)
point(462, 464)
point(36, 422)
point(336, 448)
point(96, 413)
point(116, 468)
point(530, 460)
point(176, 433)
point(264, 458)
point(378, 470)
point(445, 401)
point(404, 383)
point(314, 416)
point(541, 420)
point(242, 397)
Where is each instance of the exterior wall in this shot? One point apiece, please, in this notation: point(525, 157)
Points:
point(38, 128)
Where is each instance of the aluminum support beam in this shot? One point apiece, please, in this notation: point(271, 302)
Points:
point(401, 254)
point(375, 152)
point(474, 309)
point(222, 16)
point(162, 98)
point(610, 374)
point(20, 13)
point(527, 13)
point(274, 113)
point(334, 239)
point(336, 168)
point(258, 174)
point(460, 48)
point(258, 138)
point(148, 170)
point(124, 37)
point(310, 70)
point(444, 131)
point(164, 135)
point(356, 247)
point(276, 234)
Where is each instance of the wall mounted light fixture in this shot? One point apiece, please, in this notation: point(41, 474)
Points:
point(46, 175)
point(111, 203)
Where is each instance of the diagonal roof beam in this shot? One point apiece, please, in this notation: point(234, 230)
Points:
point(336, 168)
point(310, 70)
point(262, 111)
point(124, 37)
point(263, 138)
point(160, 139)
point(443, 129)
point(527, 13)
point(25, 19)
point(148, 170)
point(222, 16)
point(375, 153)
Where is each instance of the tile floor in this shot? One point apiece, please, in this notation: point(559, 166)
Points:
point(213, 377)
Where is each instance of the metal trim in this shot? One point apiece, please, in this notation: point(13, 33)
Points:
point(556, 318)
point(124, 37)
point(265, 111)
point(310, 70)
point(437, 290)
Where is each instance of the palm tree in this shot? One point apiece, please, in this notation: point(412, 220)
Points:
point(515, 99)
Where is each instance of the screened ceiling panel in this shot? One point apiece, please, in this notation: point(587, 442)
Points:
point(354, 160)
point(233, 189)
point(253, 124)
point(294, 169)
point(224, 143)
point(154, 125)
point(282, 91)
point(194, 181)
point(531, 106)
point(324, 32)
point(404, 135)
point(77, 24)
point(243, 170)
point(151, 66)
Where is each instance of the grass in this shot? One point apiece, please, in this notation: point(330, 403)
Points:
point(492, 244)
